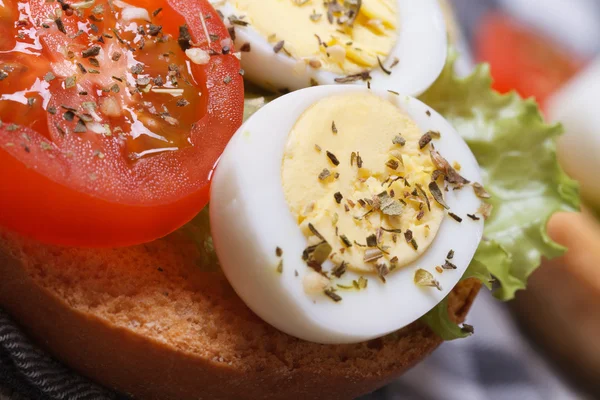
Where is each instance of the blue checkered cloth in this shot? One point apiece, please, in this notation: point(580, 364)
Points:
point(28, 373)
point(496, 363)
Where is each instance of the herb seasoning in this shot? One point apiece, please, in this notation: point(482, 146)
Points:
point(372, 255)
point(324, 174)
point(424, 195)
point(338, 197)
point(425, 140)
point(455, 217)
point(315, 232)
point(424, 278)
point(382, 271)
point(364, 76)
point(91, 52)
point(444, 166)
point(333, 295)
point(386, 71)
point(399, 140)
point(334, 160)
point(346, 241)
point(485, 210)
point(372, 240)
point(448, 265)
point(437, 194)
point(339, 270)
point(48, 77)
point(359, 160)
point(392, 164)
point(480, 191)
point(279, 46)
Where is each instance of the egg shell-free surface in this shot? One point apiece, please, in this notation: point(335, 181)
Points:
point(250, 219)
point(575, 105)
point(421, 49)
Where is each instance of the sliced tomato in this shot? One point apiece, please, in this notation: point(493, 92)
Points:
point(109, 131)
point(522, 59)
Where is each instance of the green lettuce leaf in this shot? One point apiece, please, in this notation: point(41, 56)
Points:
point(516, 150)
point(198, 231)
point(440, 322)
point(254, 99)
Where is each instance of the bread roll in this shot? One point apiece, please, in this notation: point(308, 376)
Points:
point(160, 321)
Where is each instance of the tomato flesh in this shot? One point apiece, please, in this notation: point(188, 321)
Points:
point(521, 59)
point(109, 131)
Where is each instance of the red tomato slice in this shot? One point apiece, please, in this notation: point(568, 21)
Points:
point(109, 131)
point(521, 59)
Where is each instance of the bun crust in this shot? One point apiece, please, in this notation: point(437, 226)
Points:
point(156, 322)
point(561, 303)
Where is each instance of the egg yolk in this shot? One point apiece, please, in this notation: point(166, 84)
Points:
point(344, 37)
point(357, 175)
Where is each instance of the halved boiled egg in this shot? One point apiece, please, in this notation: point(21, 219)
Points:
point(340, 214)
point(292, 44)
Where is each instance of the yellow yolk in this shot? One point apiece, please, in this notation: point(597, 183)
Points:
point(346, 204)
point(345, 48)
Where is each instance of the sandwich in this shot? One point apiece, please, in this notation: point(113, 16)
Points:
point(360, 192)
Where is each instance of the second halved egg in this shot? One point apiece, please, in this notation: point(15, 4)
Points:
point(291, 44)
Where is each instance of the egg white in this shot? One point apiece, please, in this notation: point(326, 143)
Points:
point(574, 105)
point(250, 218)
point(421, 48)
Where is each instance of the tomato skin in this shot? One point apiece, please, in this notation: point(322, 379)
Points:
point(70, 217)
point(43, 195)
point(521, 59)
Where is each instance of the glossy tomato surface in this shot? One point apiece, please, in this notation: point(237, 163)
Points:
point(522, 59)
point(110, 130)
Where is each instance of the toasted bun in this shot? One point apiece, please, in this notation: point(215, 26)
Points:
point(150, 322)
